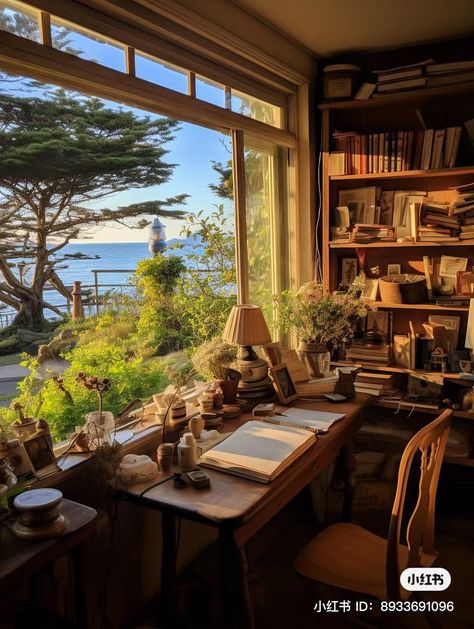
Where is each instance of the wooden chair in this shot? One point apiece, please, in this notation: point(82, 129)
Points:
point(350, 557)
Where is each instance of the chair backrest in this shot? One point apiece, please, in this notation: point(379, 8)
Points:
point(431, 442)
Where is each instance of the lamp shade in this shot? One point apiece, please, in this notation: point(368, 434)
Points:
point(246, 325)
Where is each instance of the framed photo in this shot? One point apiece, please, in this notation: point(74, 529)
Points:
point(347, 271)
point(394, 269)
point(371, 289)
point(465, 283)
point(297, 369)
point(361, 203)
point(283, 383)
point(273, 353)
point(41, 455)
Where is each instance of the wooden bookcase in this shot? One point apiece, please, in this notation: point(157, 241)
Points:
point(396, 112)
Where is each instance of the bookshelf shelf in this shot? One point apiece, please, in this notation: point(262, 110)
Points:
point(408, 174)
point(333, 244)
point(389, 306)
point(411, 97)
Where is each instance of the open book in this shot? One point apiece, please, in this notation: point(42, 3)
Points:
point(315, 421)
point(258, 450)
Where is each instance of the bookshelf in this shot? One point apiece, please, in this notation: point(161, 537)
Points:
point(391, 113)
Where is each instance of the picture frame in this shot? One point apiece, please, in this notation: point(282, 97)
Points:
point(371, 289)
point(273, 353)
point(283, 383)
point(297, 369)
point(348, 269)
point(361, 203)
point(394, 269)
point(41, 456)
point(465, 283)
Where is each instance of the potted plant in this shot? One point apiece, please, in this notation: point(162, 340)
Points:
point(321, 320)
point(214, 359)
point(100, 425)
point(23, 427)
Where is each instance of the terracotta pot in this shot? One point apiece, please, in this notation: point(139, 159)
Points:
point(315, 357)
point(229, 390)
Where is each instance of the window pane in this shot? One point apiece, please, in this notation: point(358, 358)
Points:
point(256, 109)
point(210, 91)
point(19, 20)
point(87, 45)
point(156, 71)
point(265, 181)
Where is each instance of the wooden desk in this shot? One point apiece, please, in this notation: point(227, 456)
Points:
point(21, 559)
point(239, 508)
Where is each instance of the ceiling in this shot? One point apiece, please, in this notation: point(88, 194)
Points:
point(330, 27)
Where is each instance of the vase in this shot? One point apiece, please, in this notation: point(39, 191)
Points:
point(316, 358)
point(100, 428)
point(229, 390)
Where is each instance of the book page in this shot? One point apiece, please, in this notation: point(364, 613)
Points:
point(320, 420)
point(258, 446)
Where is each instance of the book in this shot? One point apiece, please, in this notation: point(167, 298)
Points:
point(450, 79)
point(453, 66)
point(313, 421)
point(258, 450)
point(427, 148)
point(404, 84)
point(365, 91)
point(437, 151)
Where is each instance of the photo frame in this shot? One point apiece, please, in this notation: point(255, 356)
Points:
point(348, 269)
point(283, 383)
point(465, 283)
point(361, 203)
point(394, 269)
point(41, 456)
point(273, 353)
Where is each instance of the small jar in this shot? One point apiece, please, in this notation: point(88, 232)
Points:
point(206, 402)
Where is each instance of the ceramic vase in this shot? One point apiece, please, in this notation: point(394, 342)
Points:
point(316, 358)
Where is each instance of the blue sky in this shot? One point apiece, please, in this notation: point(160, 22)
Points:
point(193, 148)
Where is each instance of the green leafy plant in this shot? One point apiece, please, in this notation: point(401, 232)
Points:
point(318, 316)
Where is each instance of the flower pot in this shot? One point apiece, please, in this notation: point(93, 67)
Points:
point(23, 430)
point(100, 428)
point(315, 357)
point(229, 390)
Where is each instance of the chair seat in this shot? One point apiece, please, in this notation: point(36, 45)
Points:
point(350, 557)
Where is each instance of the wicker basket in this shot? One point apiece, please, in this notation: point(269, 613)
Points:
point(403, 289)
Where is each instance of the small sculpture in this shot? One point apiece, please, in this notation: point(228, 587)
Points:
point(136, 468)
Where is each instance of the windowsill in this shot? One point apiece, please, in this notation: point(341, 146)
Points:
point(76, 463)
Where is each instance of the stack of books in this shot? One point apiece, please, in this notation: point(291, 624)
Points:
point(393, 151)
point(373, 233)
point(377, 384)
point(440, 74)
point(370, 353)
point(340, 234)
point(437, 222)
point(407, 77)
point(463, 209)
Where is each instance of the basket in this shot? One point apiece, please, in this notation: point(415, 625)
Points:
point(405, 288)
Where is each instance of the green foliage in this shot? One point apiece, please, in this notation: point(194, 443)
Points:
point(158, 277)
point(214, 358)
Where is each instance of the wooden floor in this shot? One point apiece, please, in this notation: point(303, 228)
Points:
point(283, 600)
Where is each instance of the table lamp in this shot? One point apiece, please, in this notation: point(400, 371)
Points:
point(245, 327)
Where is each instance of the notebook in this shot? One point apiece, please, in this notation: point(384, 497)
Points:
point(315, 421)
point(259, 451)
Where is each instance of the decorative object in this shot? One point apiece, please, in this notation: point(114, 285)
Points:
point(467, 403)
point(41, 455)
point(345, 384)
point(348, 271)
point(296, 367)
point(100, 426)
point(361, 203)
point(283, 383)
point(245, 327)
point(164, 456)
point(403, 289)
point(273, 353)
point(340, 80)
point(136, 468)
point(206, 402)
point(393, 269)
point(187, 452)
point(465, 283)
point(214, 359)
point(196, 426)
point(469, 342)
point(23, 427)
point(39, 514)
point(321, 320)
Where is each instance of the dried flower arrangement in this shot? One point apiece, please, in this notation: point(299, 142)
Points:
point(215, 358)
point(318, 316)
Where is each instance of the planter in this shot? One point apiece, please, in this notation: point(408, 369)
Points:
point(100, 428)
point(229, 390)
point(23, 430)
point(315, 357)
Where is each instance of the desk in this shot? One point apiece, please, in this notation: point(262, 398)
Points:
point(239, 508)
point(21, 559)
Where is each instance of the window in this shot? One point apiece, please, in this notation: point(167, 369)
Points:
point(266, 218)
point(210, 91)
point(156, 71)
point(256, 109)
point(18, 19)
point(87, 45)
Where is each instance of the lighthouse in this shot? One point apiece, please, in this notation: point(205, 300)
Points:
point(157, 237)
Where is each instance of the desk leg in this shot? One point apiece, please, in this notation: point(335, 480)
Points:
point(348, 470)
point(168, 568)
point(236, 607)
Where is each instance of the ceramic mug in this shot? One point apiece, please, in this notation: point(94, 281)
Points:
point(466, 366)
point(196, 426)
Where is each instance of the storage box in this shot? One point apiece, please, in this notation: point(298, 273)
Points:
point(340, 80)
